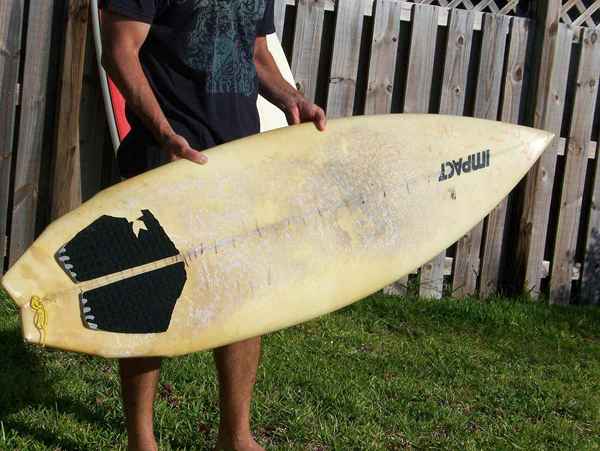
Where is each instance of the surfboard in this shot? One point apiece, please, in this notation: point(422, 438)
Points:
point(271, 117)
point(276, 229)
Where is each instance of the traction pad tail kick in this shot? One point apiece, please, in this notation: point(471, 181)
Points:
point(139, 304)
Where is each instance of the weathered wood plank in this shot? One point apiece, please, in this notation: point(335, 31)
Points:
point(384, 51)
point(575, 168)
point(590, 283)
point(66, 193)
point(11, 23)
point(554, 57)
point(421, 59)
point(382, 68)
point(280, 6)
point(511, 108)
point(591, 148)
point(346, 54)
point(458, 53)
point(487, 102)
point(454, 85)
point(406, 12)
point(416, 100)
point(31, 127)
point(307, 45)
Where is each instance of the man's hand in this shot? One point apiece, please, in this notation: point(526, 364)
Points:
point(299, 109)
point(278, 91)
point(178, 148)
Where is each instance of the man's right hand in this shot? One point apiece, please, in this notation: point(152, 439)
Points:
point(178, 148)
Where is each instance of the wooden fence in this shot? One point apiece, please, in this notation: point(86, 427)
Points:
point(535, 63)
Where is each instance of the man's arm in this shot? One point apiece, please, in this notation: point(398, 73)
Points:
point(278, 91)
point(122, 39)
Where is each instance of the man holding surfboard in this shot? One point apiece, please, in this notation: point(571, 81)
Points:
point(190, 71)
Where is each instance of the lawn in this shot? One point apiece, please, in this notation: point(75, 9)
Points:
point(384, 374)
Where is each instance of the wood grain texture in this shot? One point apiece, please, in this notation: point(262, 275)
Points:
point(540, 181)
point(458, 54)
point(590, 283)
point(580, 132)
point(487, 103)
point(31, 127)
point(11, 19)
point(511, 108)
point(307, 45)
point(346, 54)
point(416, 100)
point(280, 7)
point(552, 76)
point(421, 59)
point(382, 68)
point(384, 51)
point(66, 192)
point(454, 86)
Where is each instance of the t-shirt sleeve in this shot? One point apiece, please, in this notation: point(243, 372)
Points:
point(267, 24)
point(139, 10)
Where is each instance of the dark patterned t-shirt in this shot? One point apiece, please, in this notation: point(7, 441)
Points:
point(198, 58)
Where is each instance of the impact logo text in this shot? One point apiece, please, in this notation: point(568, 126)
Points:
point(472, 163)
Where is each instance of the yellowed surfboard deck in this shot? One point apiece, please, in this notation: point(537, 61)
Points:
point(277, 229)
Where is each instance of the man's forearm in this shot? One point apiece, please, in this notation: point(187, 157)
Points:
point(124, 67)
point(278, 91)
point(273, 86)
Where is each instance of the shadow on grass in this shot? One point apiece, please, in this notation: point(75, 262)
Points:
point(29, 394)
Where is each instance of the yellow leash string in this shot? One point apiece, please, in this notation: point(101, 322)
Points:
point(40, 319)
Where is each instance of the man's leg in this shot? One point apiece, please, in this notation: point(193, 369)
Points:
point(236, 366)
point(139, 378)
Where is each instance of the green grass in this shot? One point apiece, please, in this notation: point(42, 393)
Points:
point(385, 374)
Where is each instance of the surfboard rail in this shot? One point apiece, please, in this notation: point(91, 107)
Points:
point(278, 229)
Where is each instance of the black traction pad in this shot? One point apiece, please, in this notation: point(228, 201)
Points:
point(140, 304)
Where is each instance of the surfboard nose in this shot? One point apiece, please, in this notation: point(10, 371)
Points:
point(540, 141)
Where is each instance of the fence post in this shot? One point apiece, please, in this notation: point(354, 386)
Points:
point(66, 190)
point(11, 23)
point(32, 125)
point(538, 190)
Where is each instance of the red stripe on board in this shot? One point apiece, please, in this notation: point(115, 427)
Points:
point(118, 106)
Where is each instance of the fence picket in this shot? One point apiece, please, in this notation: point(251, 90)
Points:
point(346, 54)
point(382, 68)
point(586, 93)
point(11, 23)
point(307, 45)
point(384, 50)
point(456, 70)
point(549, 108)
point(416, 100)
point(590, 286)
point(421, 59)
point(31, 127)
point(279, 13)
point(487, 102)
point(66, 191)
point(511, 108)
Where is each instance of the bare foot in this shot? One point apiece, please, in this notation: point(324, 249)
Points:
point(238, 445)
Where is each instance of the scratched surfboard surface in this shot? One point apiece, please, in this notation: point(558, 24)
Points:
point(277, 229)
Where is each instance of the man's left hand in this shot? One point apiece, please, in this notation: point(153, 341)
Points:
point(301, 110)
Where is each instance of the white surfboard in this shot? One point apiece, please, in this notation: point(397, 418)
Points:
point(275, 230)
